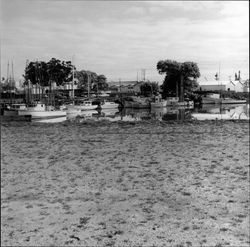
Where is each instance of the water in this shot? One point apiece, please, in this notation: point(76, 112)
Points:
point(206, 112)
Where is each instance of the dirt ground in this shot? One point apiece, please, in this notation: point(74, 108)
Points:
point(125, 184)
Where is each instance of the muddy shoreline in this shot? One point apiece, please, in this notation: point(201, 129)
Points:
point(125, 184)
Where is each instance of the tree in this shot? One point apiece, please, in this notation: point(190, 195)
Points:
point(43, 73)
point(101, 83)
point(86, 79)
point(180, 77)
point(59, 72)
point(149, 88)
point(36, 73)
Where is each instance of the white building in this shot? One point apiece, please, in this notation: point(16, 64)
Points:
point(232, 85)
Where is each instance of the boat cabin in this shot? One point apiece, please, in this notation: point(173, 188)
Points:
point(173, 99)
point(18, 107)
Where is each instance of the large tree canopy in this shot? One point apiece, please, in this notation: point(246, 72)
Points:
point(86, 79)
point(180, 77)
point(92, 80)
point(101, 83)
point(43, 73)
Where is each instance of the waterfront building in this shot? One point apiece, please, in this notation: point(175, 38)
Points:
point(229, 85)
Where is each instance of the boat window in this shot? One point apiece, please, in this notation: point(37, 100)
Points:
point(41, 105)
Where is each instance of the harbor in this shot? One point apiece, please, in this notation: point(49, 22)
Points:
point(124, 123)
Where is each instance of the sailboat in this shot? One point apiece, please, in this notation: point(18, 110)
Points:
point(86, 104)
point(71, 108)
point(82, 105)
point(39, 110)
point(109, 105)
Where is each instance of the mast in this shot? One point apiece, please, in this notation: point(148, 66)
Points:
point(8, 72)
point(88, 83)
point(12, 80)
point(220, 81)
point(73, 90)
point(12, 74)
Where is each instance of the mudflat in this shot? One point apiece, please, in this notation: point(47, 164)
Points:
point(125, 184)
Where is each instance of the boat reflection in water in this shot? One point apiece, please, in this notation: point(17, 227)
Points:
point(225, 112)
point(87, 114)
point(177, 114)
point(171, 114)
point(135, 114)
point(108, 114)
point(50, 120)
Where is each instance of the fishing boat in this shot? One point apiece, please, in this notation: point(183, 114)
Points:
point(39, 110)
point(84, 105)
point(173, 101)
point(159, 102)
point(12, 110)
point(137, 103)
point(109, 105)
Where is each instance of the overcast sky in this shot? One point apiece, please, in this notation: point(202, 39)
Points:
point(119, 38)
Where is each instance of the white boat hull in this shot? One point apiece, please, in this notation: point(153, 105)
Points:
point(159, 104)
point(50, 120)
point(109, 106)
point(84, 107)
point(42, 114)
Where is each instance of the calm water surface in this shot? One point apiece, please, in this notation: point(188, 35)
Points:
point(206, 112)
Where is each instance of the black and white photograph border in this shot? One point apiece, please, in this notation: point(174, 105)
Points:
point(124, 123)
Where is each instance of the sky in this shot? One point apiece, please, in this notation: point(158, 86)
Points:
point(120, 38)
